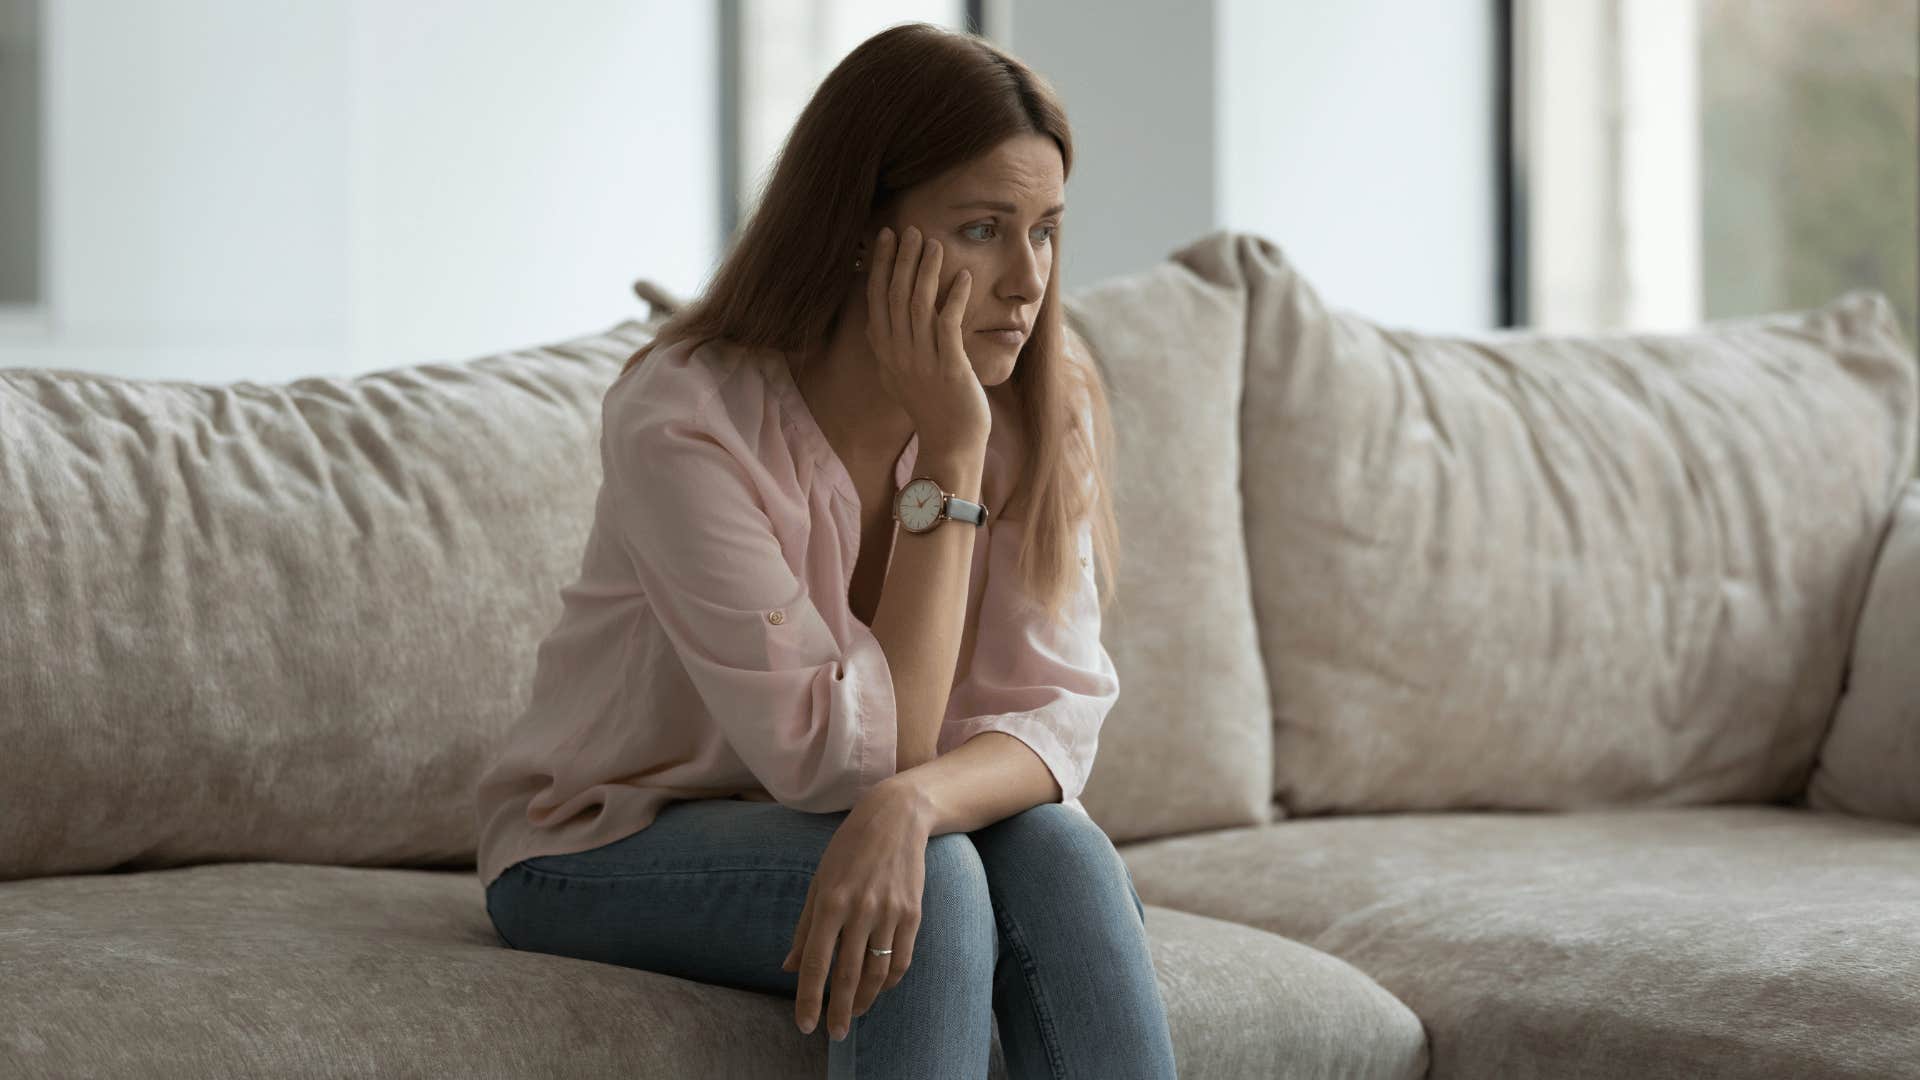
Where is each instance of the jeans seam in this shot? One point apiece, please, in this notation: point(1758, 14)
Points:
point(1030, 974)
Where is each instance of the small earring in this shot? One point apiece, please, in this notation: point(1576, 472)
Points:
point(856, 264)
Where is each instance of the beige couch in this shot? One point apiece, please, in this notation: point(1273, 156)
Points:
point(1498, 705)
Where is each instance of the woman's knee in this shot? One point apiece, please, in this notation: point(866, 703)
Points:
point(1056, 837)
point(1057, 830)
point(956, 910)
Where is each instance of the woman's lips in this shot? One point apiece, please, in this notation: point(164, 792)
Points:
point(1005, 337)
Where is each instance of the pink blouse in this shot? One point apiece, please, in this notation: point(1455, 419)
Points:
point(708, 649)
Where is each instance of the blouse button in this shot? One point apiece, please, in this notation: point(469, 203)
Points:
point(776, 616)
point(1083, 560)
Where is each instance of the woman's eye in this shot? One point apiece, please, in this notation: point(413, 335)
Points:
point(989, 225)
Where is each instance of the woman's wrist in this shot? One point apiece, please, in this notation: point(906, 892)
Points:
point(957, 471)
point(902, 797)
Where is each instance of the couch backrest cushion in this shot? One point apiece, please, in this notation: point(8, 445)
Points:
point(1188, 745)
point(280, 621)
point(1870, 762)
point(1522, 569)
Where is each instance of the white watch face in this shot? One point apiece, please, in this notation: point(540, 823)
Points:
point(918, 506)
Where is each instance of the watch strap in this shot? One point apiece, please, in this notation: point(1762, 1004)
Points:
point(959, 509)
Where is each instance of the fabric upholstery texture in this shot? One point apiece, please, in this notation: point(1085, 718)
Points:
point(1645, 942)
point(1537, 570)
point(264, 969)
point(1870, 762)
point(280, 621)
point(1188, 745)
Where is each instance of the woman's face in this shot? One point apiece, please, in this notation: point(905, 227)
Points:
point(994, 218)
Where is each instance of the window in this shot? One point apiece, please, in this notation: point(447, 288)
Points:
point(21, 205)
point(1683, 160)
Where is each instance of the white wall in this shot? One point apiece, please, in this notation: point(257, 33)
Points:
point(1138, 80)
point(1358, 136)
point(241, 190)
point(517, 165)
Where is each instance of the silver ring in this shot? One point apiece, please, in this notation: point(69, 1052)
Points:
point(879, 952)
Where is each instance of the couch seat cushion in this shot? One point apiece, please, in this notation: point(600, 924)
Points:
point(1714, 941)
point(288, 970)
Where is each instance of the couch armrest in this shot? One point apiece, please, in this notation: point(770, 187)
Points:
point(1869, 764)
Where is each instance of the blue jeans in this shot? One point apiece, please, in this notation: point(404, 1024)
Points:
point(1026, 919)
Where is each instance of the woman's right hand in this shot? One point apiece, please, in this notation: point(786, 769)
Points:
point(865, 893)
point(923, 358)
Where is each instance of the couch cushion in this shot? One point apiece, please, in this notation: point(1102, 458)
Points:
point(280, 621)
point(1721, 941)
point(264, 969)
point(1189, 744)
point(1870, 761)
point(1534, 570)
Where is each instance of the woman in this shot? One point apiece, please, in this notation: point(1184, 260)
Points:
point(819, 708)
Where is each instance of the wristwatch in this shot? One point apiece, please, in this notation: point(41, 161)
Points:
point(920, 505)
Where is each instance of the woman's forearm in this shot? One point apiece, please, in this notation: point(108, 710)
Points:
point(991, 776)
point(923, 605)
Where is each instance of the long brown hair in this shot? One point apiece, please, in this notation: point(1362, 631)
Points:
point(907, 105)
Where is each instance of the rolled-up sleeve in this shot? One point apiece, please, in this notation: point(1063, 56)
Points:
point(1048, 685)
point(813, 720)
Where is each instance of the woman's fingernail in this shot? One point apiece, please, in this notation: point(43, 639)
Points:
point(806, 1027)
point(839, 1034)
